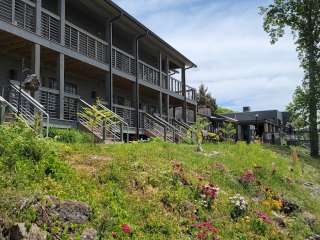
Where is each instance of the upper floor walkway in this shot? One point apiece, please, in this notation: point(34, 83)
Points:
point(23, 14)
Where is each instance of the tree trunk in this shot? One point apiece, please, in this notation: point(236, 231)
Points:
point(312, 70)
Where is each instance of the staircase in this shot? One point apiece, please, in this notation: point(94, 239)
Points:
point(156, 126)
point(21, 104)
point(106, 126)
point(183, 128)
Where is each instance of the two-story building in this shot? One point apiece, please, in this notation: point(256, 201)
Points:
point(82, 50)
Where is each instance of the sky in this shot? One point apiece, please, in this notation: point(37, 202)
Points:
point(225, 38)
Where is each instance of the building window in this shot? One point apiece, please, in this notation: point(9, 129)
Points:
point(70, 88)
point(52, 83)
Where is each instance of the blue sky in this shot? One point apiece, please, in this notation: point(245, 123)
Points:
point(226, 40)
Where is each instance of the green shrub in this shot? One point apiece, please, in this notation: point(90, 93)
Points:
point(69, 135)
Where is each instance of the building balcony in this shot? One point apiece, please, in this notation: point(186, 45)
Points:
point(22, 14)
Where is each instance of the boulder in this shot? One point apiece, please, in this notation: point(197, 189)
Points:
point(89, 234)
point(18, 232)
point(73, 212)
point(36, 233)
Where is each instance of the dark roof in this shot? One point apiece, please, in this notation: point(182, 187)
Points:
point(269, 115)
point(147, 30)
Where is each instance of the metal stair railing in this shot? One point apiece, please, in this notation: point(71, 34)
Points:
point(105, 129)
point(116, 123)
point(172, 132)
point(181, 126)
point(156, 127)
point(27, 107)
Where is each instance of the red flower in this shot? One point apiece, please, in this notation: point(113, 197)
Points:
point(114, 234)
point(126, 228)
point(202, 235)
point(210, 191)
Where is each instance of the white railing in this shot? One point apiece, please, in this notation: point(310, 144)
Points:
point(27, 107)
point(116, 124)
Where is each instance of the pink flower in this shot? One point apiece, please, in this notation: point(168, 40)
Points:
point(263, 216)
point(126, 228)
point(210, 191)
point(248, 177)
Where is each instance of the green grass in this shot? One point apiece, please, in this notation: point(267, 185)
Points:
point(136, 184)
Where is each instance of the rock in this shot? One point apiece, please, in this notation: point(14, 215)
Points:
point(289, 207)
point(66, 211)
point(314, 237)
point(309, 218)
point(36, 233)
point(89, 234)
point(18, 232)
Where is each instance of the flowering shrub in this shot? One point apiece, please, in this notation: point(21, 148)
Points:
point(247, 177)
point(126, 228)
point(210, 191)
point(206, 231)
point(263, 216)
point(178, 174)
point(240, 206)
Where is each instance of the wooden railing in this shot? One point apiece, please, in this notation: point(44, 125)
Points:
point(175, 86)
point(49, 98)
point(149, 74)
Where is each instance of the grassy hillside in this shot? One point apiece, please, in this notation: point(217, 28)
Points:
point(158, 190)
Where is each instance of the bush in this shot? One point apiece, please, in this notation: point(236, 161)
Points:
point(69, 135)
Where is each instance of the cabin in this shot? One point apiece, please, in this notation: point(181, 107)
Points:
point(77, 51)
point(266, 125)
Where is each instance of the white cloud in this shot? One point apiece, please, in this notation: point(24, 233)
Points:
point(226, 40)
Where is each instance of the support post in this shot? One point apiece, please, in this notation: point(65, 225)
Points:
point(13, 11)
point(184, 93)
point(61, 67)
point(160, 104)
point(36, 65)
point(168, 107)
point(137, 85)
point(62, 13)
point(38, 16)
point(109, 76)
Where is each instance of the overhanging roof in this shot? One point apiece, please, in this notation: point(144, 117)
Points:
point(188, 62)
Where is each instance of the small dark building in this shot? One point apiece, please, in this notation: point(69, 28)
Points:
point(267, 125)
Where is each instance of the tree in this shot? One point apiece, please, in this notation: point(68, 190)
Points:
point(205, 98)
point(299, 115)
point(198, 129)
point(302, 17)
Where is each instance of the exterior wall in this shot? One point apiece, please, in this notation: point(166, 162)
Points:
point(8, 63)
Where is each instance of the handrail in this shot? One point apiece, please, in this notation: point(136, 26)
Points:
point(26, 95)
point(166, 123)
point(118, 118)
point(155, 119)
point(123, 52)
point(87, 33)
point(149, 66)
point(2, 100)
point(35, 103)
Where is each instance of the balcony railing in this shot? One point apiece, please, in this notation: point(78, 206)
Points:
point(23, 15)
